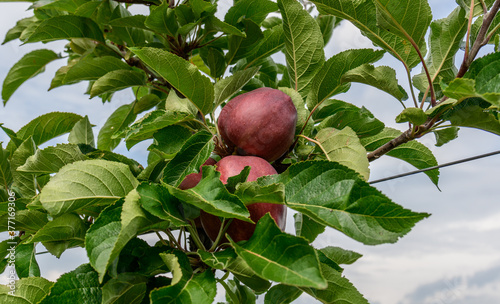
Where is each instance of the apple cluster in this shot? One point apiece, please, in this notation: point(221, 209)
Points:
point(258, 127)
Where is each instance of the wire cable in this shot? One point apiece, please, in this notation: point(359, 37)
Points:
point(435, 167)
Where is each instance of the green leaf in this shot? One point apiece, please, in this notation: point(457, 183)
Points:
point(291, 261)
point(471, 113)
point(26, 220)
point(51, 159)
point(181, 74)
point(26, 264)
point(362, 14)
point(412, 152)
point(169, 141)
point(24, 181)
point(307, 227)
point(66, 27)
point(463, 88)
point(126, 288)
point(343, 146)
point(283, 294)
point(336, 196)
point(105, 182)
point(339, 114)
point(112, 230)
point(241, 47)
point(382, 77)
point(255, 10)
point(328, 81)
point(135, 167)
point(29, 290)
point(93, 68)
point(228, 260)
point(17, 30)
point(162, 19)
point(120, 119)
point(415, 116)
point(27, 67)
point(186, 288)
point(302, 112)
point(5, 173)
point(48, 126)
point(178, 104)
point(393, 16)
point(213, 23)
point(239, 293)
point(81, 283)
point(445, 135)
point(327, 23)
point(211, 196)
point(192, 155)
point(303, 45)
point(82, 133)
point(340, 256)
point(252, 192)
point(157, 200)
point(117, 80)
point(478, 6)
point(444, 41)
point(273, 42)
point(146, 102)
point(339, 289)
point(150, 123)
point(61, 5)
point(67, 227)
point(227, 87)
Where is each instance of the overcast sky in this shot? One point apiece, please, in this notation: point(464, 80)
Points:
point(451, 257)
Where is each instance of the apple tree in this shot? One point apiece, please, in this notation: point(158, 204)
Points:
point(184, 61)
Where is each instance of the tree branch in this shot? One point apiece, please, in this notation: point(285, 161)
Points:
point(480, 40)
point(401, 139)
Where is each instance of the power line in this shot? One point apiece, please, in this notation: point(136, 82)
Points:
point(435, 167)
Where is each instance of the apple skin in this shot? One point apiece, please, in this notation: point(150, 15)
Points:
point(193, 179)
point(239, 230)
point(260, 123)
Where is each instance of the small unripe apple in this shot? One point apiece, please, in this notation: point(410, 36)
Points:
point(260, 123)
point(239, 230)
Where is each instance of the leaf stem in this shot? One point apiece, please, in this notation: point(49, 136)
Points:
point(222, 230)
point(317, 143)
point(195, 236)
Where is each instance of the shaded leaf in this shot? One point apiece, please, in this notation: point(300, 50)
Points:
point(29, 290)
point(255, 10)
point(283, 294)
point(26, 264)
point(445, 135)
point(126, 288)
point(340, 255)
point(227, 87)
point(157, 200)
point(67, 227)
point(307, 227)
point(93, 68)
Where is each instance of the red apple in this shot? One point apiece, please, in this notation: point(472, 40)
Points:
point(193, 179)
point(261, 123)
point(239, 230)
